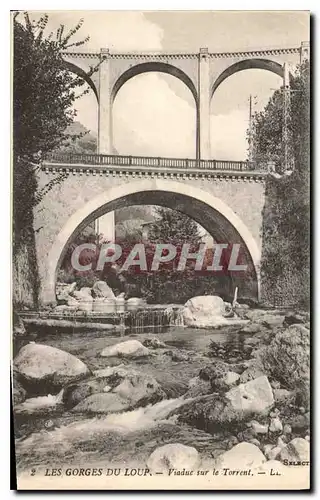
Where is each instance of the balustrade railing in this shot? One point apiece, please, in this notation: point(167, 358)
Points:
point(149, 161)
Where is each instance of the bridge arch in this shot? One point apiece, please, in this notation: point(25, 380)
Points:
point(154, 66)
point(253, 63)
point(80, 72)
point(209, 211)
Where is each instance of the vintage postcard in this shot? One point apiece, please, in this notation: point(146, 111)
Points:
point(160, 269)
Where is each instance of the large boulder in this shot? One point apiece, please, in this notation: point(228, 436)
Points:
point(204, 311)
point(255, 396)
point(43, 368)
point(102, 403)
point(211, 413)
point(243, 455)
point(137, 388)
point(173, 456)
point(101, 289)
point(128, 349)
point(287, 359)
point(297, 450)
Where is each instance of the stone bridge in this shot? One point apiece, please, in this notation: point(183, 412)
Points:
point(225, 197)
point(201, 72)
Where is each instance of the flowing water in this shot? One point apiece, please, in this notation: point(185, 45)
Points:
point(132, 435)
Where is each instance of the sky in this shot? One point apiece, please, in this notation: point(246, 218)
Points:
point(154, 113)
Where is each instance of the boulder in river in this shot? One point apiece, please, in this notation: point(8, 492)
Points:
point(173, 456)
point(43, 368)
point(206, 311)
point(211, 413)
point(138, 388)
point(128, 349)
point(102, 403)
point(255, 396)
point(243, 455)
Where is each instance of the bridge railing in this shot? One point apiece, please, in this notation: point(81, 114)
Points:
point(149, 161)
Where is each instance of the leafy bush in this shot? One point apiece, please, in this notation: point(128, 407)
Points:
point(285, 274)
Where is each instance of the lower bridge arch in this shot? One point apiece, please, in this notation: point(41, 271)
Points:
point(208, 210)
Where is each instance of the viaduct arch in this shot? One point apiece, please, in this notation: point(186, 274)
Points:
point(201, 72)
point(210, 211)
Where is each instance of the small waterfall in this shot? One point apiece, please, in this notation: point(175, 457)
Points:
point(174, 315)
point(151, 319)
point(154, 319)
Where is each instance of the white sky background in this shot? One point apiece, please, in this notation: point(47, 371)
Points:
point(154, 113)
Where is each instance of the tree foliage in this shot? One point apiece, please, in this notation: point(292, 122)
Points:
point(173, 227)
point(44, 92)
point(44, 89)
point(286, 215)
